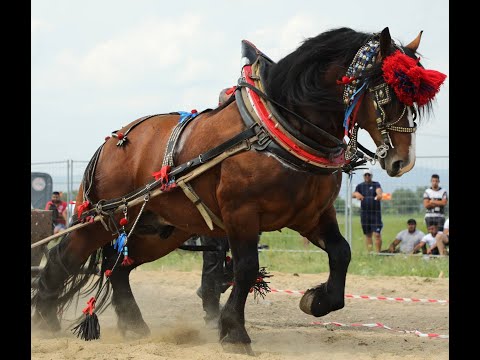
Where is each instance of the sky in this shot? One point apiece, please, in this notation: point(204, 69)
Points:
point(98, 65)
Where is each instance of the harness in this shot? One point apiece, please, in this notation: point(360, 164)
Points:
point(266, 130)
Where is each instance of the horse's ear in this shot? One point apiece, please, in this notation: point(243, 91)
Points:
point(414, 44)
point(385, 43)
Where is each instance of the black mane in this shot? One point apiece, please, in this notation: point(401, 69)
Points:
point(299, 79)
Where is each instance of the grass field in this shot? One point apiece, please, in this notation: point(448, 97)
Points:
point(310, 259)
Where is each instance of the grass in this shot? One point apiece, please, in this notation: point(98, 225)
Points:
point(362, 262)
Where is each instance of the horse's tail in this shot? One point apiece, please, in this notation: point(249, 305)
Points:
point(80, 282)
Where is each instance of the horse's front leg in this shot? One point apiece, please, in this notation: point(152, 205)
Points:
point(244, 248)
point(128, 313)
point(329, 296)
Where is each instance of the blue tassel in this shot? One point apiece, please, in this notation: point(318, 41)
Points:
point(120, 242)
point(185, 115)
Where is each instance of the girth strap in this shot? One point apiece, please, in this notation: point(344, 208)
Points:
point(207, 214)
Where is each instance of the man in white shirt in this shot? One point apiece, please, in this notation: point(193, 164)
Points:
point(407, 239)
point(431, 240)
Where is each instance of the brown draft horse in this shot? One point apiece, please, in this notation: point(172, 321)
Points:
point(271, 157)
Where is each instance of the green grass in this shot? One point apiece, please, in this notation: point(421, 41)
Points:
point(314, 262)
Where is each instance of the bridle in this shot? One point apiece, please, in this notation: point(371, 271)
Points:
point(356, 84)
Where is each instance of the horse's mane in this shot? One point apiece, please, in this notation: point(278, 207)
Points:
point(298, 79)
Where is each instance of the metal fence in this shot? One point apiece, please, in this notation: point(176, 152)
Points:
point(404, 194)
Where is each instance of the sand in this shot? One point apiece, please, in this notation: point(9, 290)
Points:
point(276, 325)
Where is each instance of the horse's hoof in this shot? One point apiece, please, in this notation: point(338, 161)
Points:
point(236, 348)
point(318, 302)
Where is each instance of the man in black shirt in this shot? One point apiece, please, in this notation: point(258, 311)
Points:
point(370, 194)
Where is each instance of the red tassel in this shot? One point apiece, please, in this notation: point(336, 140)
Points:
point(127, 261)
point(120, 136)
point(88, 329)
point(162, 174)
point(107, 137)
point(345, 80)
point(411, 83)
point(82, 207)
point(123, 221)
point(108, 273)
point(194, 111)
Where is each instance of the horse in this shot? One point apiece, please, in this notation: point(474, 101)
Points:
point(271, 157)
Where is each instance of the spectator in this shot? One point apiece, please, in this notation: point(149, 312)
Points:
point(370, 194)
point(408, 239)
point(59, 209)
point(430, 241)
point(442, 241)
point(434, 200)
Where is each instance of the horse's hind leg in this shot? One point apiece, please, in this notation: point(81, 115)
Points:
point(329, 296)
point(128, 313)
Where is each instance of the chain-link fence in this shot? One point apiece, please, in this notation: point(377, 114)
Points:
point(403, 196)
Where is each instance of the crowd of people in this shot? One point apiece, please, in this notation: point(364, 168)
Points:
point(410, 240)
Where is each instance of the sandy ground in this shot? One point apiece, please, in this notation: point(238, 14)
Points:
point(276, 325)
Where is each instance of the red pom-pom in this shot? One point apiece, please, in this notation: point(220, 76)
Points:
point(120, 136)
point(123, 221)
point(108, 273)
point(228, 259)
point(194, 111)
point(107, 137)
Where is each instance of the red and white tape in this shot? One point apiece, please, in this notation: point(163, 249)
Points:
point(380, 325)
point(368, 297)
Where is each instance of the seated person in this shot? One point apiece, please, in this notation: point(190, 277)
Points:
point(430, 240)
point(442, 241)
point(408, 239)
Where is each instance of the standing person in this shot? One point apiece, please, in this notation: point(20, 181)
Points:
point(434, 201)
point(59, 208)
point(370, 194)
point(408, 239)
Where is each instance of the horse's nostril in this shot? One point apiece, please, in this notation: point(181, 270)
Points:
point(397, 166)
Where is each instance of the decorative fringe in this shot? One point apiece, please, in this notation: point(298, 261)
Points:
point(82, 207)
point(120, 242)
point(411, 82)
point(261, 288)
point(89, 328)
point(126, 260)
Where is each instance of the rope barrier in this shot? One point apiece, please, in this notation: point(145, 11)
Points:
point(380, 325)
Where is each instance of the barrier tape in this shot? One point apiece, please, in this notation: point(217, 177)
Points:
point(380, 325)
point(368, 297)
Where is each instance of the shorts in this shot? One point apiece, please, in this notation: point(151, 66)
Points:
point(435, 220)
point(371, 222)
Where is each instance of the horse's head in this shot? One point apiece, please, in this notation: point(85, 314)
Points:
point(397, 90)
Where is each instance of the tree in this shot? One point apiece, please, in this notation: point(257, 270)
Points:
point(405, 201)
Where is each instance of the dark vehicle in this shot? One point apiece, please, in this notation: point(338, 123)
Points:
point(42, 187)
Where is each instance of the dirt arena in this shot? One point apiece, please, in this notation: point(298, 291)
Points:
point(276, 325)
